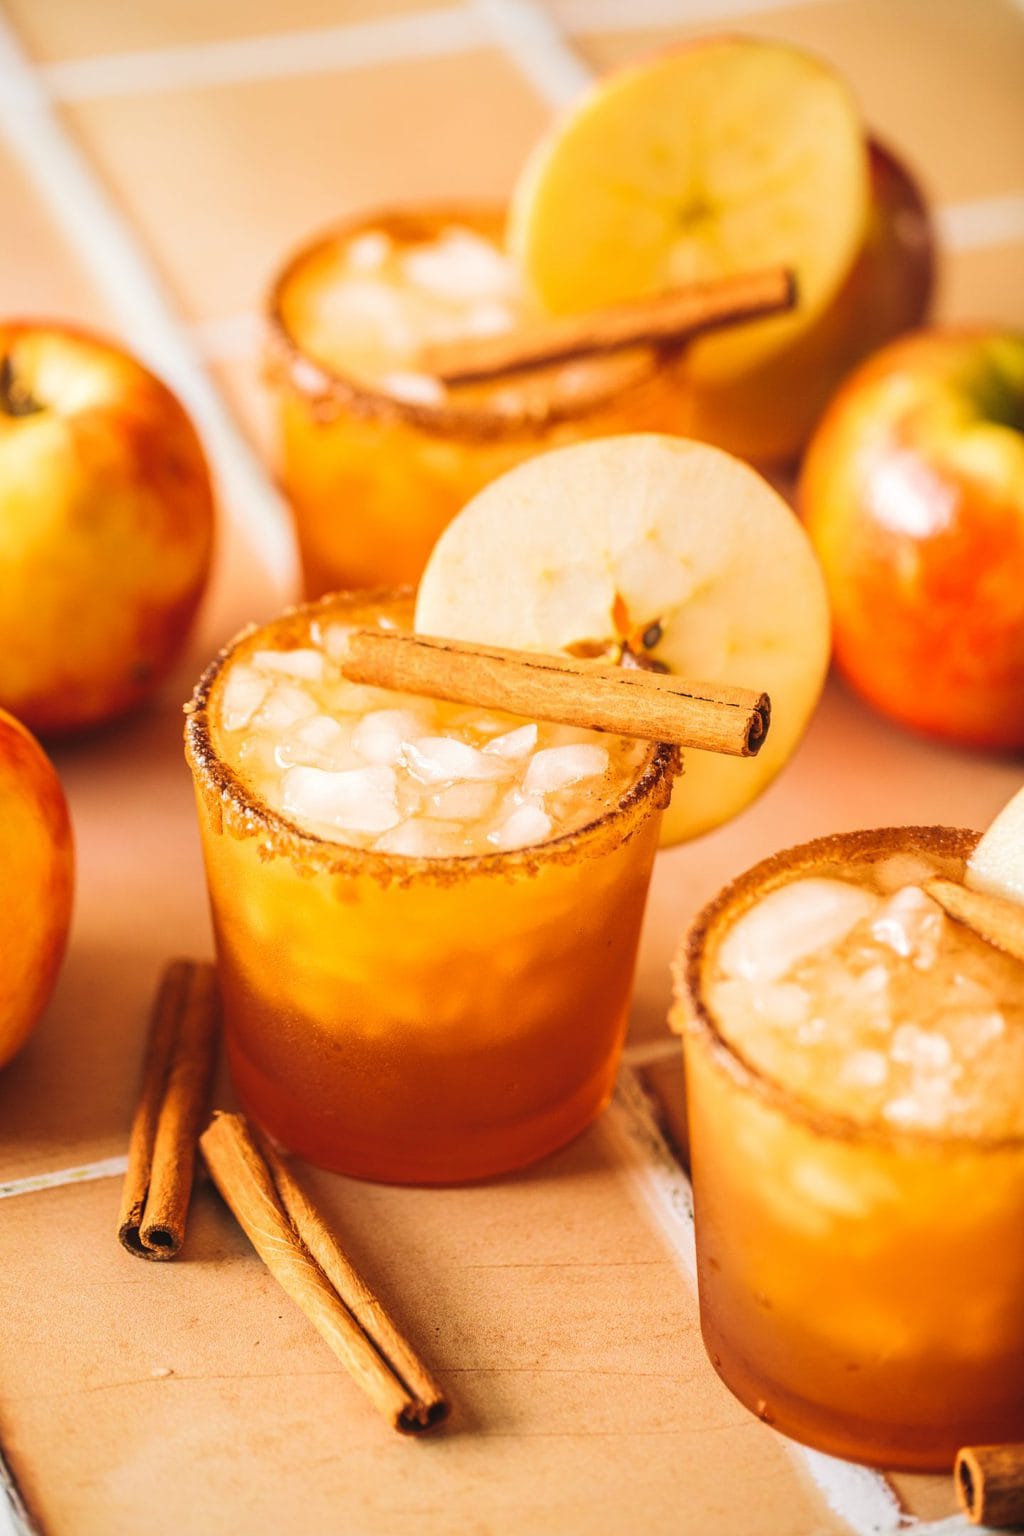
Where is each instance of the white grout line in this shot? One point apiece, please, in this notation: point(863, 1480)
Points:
point(859, 1495)
point(274, 56)
point(108, 249)
point(535, 43)
point(594, 16)
point(985, 221)
point(14, 1517)
point(107, 1168)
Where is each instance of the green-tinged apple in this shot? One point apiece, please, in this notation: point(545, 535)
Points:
point(106, 527)
point(768, 413)
point(913, 495)
point(38, 874)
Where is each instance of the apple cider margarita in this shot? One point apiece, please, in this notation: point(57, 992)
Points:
point(854, 1060)
point(378, 455)
point(426, 915)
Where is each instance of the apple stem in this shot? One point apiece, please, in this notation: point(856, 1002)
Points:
point(15, 398)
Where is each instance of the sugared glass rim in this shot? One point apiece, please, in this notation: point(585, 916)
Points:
point(241, 811)
point(692, 1016)
point(330, 392)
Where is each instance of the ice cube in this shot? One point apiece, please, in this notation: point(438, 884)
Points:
point(864, 1069)
point(921, 1049)
point(911, 924)
point(319, 742)
point(459, 267)
point(441, 759)
point(462, 802)
point(527, 824)
point(489, 319)
point(244, 692)
point(286, 705)
point(420, 838)
point(307, 664)
point(901, 869)
point(783, 1003)
point(369, 252)
point(414, 388)
point(355, 800)
point(514, 745)
point(554, 768)
point(335, 641)
point(379, 736)
point(790, 923)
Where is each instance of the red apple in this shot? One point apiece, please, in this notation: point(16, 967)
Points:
point(106, 522)
point(913, 495)
point(38, 880)
point(768, 413)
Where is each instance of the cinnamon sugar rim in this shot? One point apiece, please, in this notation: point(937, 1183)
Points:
point(243, 813)
point(331, 391)
point(691, 1015)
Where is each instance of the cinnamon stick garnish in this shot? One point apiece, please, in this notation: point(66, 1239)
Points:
point(675, 315)
point(176, 1076)
point(629, 701)
point(993, 918)
point(990, 1484)
point(305, 1258)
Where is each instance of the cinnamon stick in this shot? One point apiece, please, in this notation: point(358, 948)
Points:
point(990, 1484)
point(993, 918)
point(176, 1076)
point(675, 315)
point(629, 701)
point(306, 1260)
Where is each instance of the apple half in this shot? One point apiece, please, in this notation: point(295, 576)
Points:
point(721, 156)
point(662, 544)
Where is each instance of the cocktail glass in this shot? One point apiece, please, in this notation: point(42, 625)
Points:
point(860, 1285)
point(374, 476)
point(420, 1020)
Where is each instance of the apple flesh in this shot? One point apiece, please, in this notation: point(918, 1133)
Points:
point(913, 495)
point(38, 873)
point(106, 523)
point(584, 547)
point(768, 413)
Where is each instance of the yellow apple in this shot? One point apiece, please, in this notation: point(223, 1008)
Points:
point(768, 413)
point(38, 881)
point(724, 155)
point(106, 524)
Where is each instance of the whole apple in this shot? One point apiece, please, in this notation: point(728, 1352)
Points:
point(106, 526)
point(38, 866)
point(913, 495)
point(768, 413)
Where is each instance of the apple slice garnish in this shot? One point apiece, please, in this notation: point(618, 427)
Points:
point(654, 550)
point(997, 864)
point(722, 156)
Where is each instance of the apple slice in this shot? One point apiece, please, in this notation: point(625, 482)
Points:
point(997, 864)
point(718, 157)
point(669, 545)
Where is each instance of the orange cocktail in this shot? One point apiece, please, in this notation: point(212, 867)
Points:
point(378, 456)
point(426, 915)
point(853, 1067)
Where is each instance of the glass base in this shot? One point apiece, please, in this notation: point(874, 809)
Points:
point(456, 1157)
point(878, 1442)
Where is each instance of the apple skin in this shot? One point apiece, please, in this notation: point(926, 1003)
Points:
point(768, 414)
point(106, 528)
point(913, 494)
point(38, 864)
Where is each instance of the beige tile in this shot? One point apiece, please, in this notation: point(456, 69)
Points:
point(241, 382)
point(222, 184)
point(929, 1498)
point(39, 275)
point(937, 79)
point(983, 286)
point(57, 29)
point(193, 1396)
